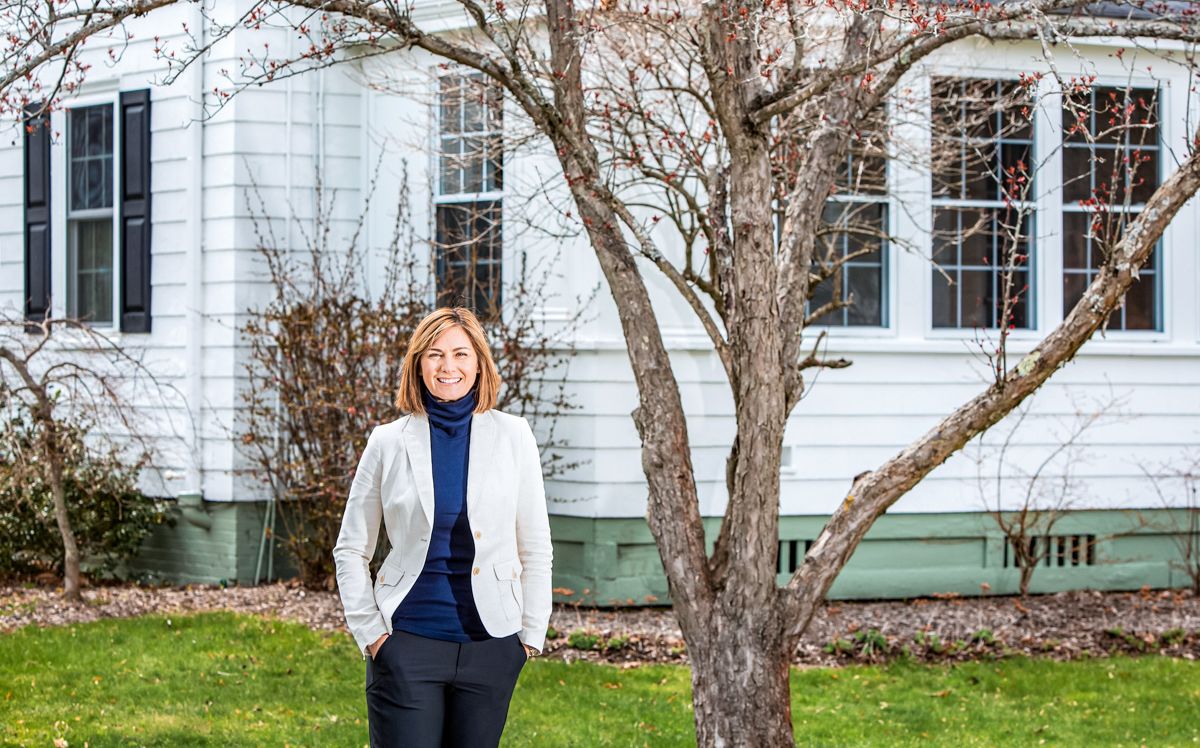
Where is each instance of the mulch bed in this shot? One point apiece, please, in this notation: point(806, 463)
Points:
point(946, 628)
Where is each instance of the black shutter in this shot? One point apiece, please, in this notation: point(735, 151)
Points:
point(135, 211)
point(37, 215)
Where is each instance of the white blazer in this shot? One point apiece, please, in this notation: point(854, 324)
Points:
point(506, 510)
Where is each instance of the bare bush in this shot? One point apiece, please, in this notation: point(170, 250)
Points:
point(324, 356)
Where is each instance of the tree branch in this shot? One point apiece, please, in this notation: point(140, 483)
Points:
point(872, 493)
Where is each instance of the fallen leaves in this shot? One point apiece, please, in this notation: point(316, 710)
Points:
point(1063, 626)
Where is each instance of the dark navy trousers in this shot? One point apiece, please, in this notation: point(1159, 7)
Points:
point(428, 693)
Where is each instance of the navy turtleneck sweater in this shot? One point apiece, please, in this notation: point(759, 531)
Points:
point(441, 604)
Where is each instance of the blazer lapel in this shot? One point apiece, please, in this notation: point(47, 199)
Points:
point(420, 458)
point(483, 445)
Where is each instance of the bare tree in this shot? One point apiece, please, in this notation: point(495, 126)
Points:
point(677, 109)
point(1027, 504)
point(61, 377)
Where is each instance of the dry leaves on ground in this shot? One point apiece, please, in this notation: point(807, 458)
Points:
point(1064, 625)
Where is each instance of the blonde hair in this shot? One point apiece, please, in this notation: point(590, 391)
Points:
point(487, 383)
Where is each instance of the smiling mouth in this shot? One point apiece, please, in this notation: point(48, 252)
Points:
point(449, 381)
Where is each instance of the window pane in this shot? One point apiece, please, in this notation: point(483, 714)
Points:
point(494, 167)
point(982, 129)
point(468, 255)
point(1077, 173)
point(449, 115)
point(1119, 127)
point(976, 298)
point(471, 159)
point(451, 171)
point(1143, 177)
point(1017, 111)
point(1074, 284)
point(78, 183)
point(822, 295)
point(1017, 174)
point(1113, 136)
point(1018, 300)
point(945, 237)
point(979, 163)
point(865, 168)
point(474, 107)
point(946, 166)
point(90, 270)
point(1108, 119)
point(91, 158)
point(863, 285)
point(945, 301)
point(495, 110)
point(1075, 240)
point(96, 194)
point(472, 165)
point(976, 237)
point(858, 245)
point(1140, 307)
point(983, 134)
point(976, 247)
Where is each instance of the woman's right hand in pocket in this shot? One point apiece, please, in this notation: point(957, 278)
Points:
point(372, 649)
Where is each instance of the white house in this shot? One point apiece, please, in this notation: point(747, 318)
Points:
point(136, 212)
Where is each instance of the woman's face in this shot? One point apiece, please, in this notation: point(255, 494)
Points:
point(450, 367)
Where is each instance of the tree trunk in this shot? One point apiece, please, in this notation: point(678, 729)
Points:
point(54, 463)
point(52, 460)
point(740, 687)
point(1027, 569)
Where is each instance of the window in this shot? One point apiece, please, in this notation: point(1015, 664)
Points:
point(983, 217)
point(90, 213)
point(99, 256)
point(468, 242)
point(1110, 168)
point(852, 246)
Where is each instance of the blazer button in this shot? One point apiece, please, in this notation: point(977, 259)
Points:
point(475, 571)
point(478, 535)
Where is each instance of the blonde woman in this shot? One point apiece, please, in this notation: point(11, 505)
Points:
point(463, 597)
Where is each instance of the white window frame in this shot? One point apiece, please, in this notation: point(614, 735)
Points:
point(1037, 238)
point(887, 270)
point(59, 195)
point(438, 198)
point(886, 289)
point(1162, 288)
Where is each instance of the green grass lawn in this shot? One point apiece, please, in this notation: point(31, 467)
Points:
point(223, 679)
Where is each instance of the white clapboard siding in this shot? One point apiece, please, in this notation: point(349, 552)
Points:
point(239, 146)
point(905, 378)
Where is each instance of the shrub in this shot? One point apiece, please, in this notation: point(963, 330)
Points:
point(582, 640)
point(110, 516)
point(616, 643)
point(983, 636)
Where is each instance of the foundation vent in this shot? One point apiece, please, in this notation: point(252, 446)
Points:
point(791, 553)
point(1055, 551)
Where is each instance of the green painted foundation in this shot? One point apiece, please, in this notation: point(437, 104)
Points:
point(614, 562)
point(210, 542)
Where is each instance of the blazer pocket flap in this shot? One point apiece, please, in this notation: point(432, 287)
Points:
point(390, 572)
point(508, 570)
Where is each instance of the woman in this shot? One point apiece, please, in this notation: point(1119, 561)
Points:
point(463, 597)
